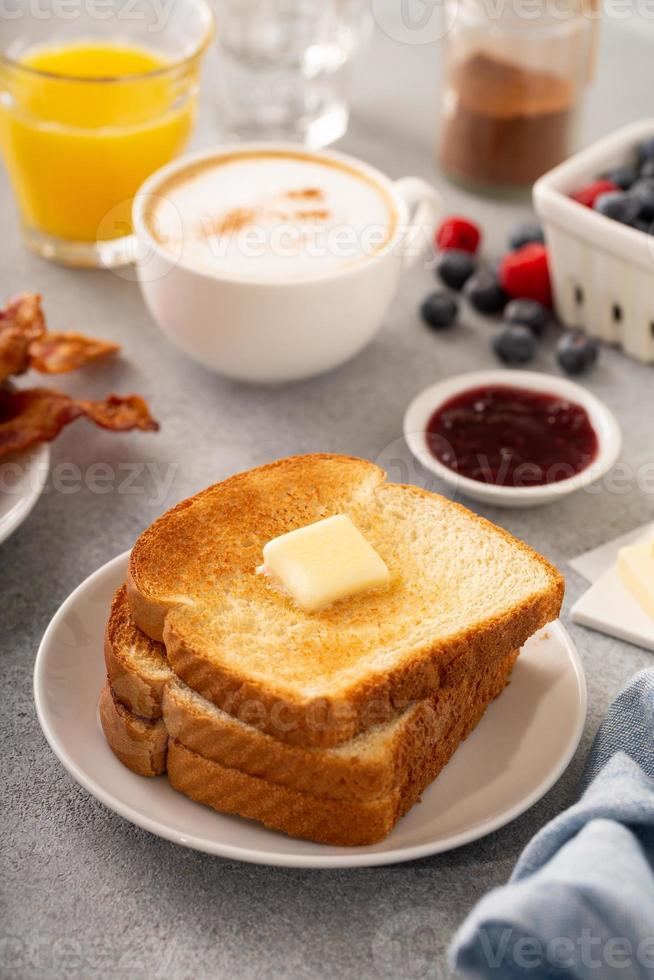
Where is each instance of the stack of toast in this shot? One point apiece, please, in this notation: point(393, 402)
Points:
point(326, 725)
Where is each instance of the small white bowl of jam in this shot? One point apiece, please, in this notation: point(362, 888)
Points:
point(512, 439)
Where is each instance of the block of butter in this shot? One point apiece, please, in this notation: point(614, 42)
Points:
point(636, 569)
point(323, 562)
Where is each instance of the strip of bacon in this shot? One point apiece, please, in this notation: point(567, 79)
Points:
point(13, 353)
point(57, 353)
point(37, 415)
point(121, 413)
point(21, 323)
point(25, 313)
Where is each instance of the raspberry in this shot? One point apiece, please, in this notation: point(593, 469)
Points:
point(460, 233)
point(588, 195)
point(524, 274)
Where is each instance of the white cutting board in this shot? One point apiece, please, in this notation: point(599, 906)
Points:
point(608, 606)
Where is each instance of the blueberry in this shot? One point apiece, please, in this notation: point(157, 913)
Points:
point(642, 224)
point(619, 206)
point(643, 192)
point(516, 344)
point(622, 177)
point(454, 267)
point(647, 169)
point(646, 150)
point(439, 310)
point(484, 293)
point(530, 313)
point(524, 234)
point(576, 352)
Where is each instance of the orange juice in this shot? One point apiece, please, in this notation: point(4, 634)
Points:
point(82, 125)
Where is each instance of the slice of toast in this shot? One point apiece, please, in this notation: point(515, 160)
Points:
point(459, 586)
point(137, 667)
point(368, 766)
point(141, 744)
point(231, 791)
point(314, 817)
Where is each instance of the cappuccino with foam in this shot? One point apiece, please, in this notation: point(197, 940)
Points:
point(273, 215)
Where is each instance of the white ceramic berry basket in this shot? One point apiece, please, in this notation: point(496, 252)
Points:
point(602, 271)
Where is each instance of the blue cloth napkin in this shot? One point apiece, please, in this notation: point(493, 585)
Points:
point(580, 902)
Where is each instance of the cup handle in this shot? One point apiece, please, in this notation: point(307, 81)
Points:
point(425, 207)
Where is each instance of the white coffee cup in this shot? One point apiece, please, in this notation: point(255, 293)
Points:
point(272, 330)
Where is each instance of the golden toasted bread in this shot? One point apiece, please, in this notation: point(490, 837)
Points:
point(463, 592)
point(140, 743)
point(325, 820)
point(369, 766)
point(137, 667)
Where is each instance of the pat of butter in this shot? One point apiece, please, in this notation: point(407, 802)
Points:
point(324, 562)
point(636, 568)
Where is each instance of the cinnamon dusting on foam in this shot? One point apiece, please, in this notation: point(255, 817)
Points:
point(306, 194)
point(305, 206)
point(239, 218)
point(317, 215)
point(234, 220)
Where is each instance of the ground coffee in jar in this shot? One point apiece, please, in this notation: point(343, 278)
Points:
point(510, 96)
point(504, 125)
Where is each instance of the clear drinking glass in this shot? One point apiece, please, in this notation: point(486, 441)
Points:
point(91, 105)
point(284, 67)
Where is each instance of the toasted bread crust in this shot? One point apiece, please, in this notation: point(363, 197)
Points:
point(417, 734)
point(306, 770)
point(149, 610)
point(297, 814)
point(310, 817)
point(339, 716)
point(327, 722)
point(139, 685)
point(140, 743)
point(224, 739)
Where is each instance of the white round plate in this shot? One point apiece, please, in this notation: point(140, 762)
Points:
point(425, 403)
point(511, 759)
point(22, 477)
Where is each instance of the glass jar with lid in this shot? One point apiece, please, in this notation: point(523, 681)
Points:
point(514, 79)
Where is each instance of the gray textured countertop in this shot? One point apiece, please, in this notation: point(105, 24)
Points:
point(82, 892)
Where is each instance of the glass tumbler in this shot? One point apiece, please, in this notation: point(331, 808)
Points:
point(284, 67)
point(91, 105)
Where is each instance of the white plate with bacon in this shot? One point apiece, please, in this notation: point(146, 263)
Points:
point(30, 417)
point(22, 478)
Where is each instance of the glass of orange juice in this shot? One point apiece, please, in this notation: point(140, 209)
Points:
point(91, 105)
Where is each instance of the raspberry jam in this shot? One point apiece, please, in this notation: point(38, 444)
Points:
point(512, 437)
